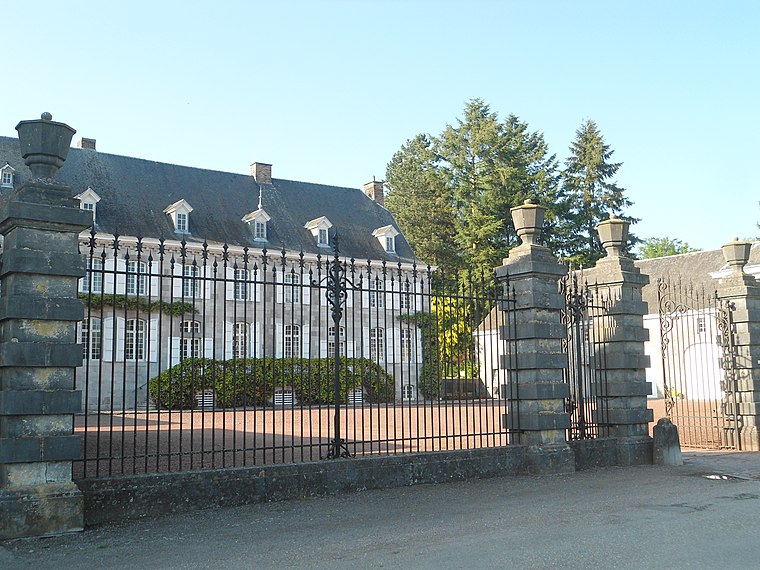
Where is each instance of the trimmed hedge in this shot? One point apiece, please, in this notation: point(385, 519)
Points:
point(253, 381)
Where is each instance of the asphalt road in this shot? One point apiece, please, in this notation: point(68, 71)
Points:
point(701, 515)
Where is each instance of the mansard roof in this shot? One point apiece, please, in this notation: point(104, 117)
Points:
point(135, 192)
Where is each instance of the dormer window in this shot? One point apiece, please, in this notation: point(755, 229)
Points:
point(258, 221)
point(182, 222)
point(179, 212)
point(387, 238)
point(320, 229)
point(6, 176)
point(88, 201)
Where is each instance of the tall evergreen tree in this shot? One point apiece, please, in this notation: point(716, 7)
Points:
point(451, 194)
point(422, 202)
point(588, 179)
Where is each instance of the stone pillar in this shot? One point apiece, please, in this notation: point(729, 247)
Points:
point(39, 311)
point(625, 389)
point(742, 371)
point(538, 415)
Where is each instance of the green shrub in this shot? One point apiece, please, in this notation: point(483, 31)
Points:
point(253, 381)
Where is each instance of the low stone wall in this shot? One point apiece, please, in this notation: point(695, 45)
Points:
point(131, 497)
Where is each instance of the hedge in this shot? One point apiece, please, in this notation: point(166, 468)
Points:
point(253, 381)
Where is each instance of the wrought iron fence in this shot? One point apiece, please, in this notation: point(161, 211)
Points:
point(200, 355)
point(589, 327)
point(699, 365)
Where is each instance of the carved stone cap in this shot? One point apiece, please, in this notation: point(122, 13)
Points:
point(528, 219)
point(613, 233)
point(44, 145)
point(736, 254)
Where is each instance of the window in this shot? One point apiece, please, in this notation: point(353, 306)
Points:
point(331, 341)
point(240, 289)
point(89, 206)
point(260, 230)
point(404, 300)
point(191, 286)
point(292, 287)
point(6, 178)
point(136, 278)
point(376, 345)
point(406, 345)
point(181, 222)
point(93, 278)
point(390, 244)
point(292, 341)
point(376, 294)
point(134, 341)
point(701, 325)
point(239, 337)
point(92, 339)
point(407, 392)
point(322, 239)
point(190, 344)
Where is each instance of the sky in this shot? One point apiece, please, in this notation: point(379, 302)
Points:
point(327, 91)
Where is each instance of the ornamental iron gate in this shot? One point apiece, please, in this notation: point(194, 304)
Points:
point(202, 356)
point(699, 367)
point(588, 327)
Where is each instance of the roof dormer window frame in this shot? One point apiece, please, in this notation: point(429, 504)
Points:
point(7, 176)
point(320, 229)
point(257, 220)
point(179, 212)
point(386, 235)
point(88, 200)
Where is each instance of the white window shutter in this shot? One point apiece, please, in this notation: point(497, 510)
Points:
point(108, 280)
point(305, 289)
point(391, 345)
point(305, 341)
point(208, 347)
point(255, 340)
point(323, 349)
point(174, 343)
point(365, 342)
point(279, 340)
point(229, 290)
point(177, 281)
point(121, 278)
point(120, 338)
point(349, 348)
point(154, 340)
point(279, 288)
point(228, 337)
point(108, 339)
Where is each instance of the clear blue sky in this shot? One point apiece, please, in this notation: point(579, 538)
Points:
point(328, 91)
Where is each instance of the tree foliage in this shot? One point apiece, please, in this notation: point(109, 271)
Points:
point(451, 194)
point(663, 247)
point(455, 190)
point(588, 179)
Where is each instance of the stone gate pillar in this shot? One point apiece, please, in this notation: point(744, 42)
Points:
point(39, 311)
point(625, 390)
point(538, 414)
point(742, 375)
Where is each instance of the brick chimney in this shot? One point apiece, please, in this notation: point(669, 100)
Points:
point(374, 190)
point(86, 143)
point(261, 172)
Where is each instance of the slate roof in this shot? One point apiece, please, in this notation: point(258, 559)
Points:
point(134, 193)
point(696, 269)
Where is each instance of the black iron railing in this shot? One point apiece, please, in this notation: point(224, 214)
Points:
point(207, 356)
point(589, 326)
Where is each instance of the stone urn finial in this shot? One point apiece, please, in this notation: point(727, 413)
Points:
point(529, 221)
point(736, 254)
point(613, 233)
point(44, 145)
